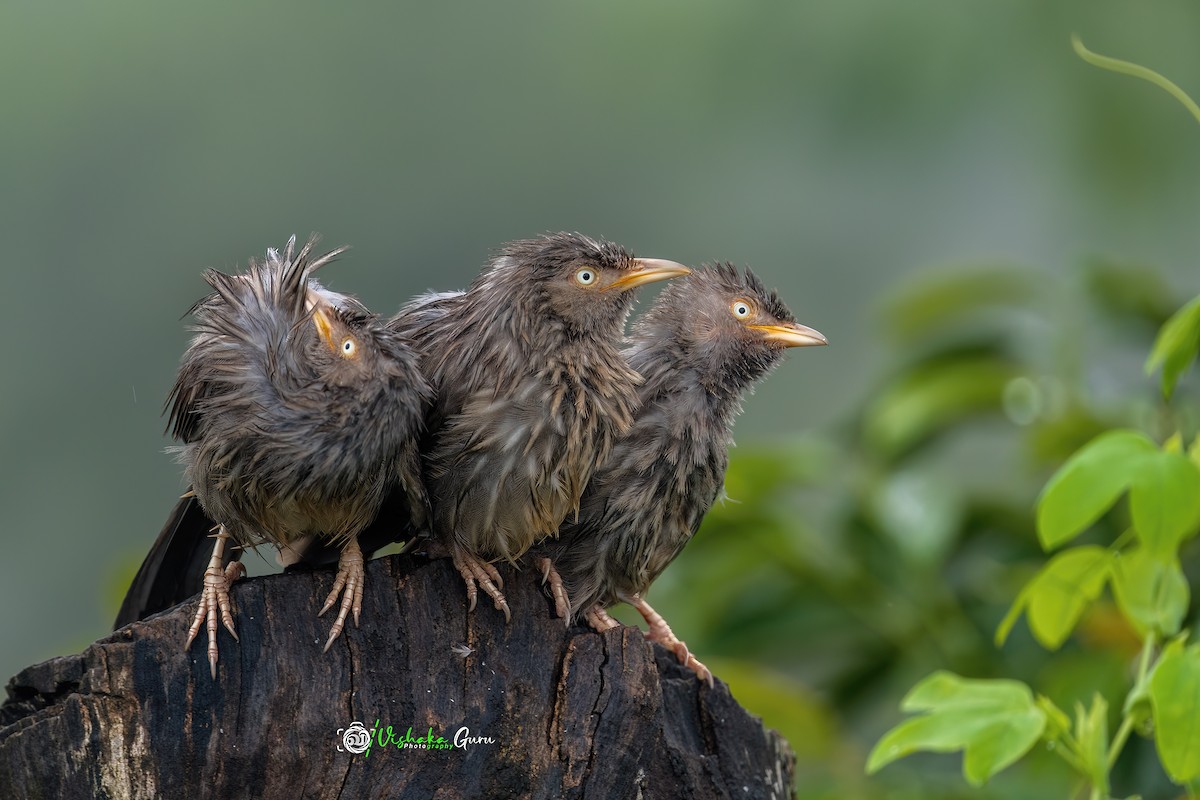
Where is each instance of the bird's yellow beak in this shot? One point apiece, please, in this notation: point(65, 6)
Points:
point(791, 335)
point(649, 270)
point(324, 328)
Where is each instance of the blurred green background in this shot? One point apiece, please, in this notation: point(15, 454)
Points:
point(882, 521)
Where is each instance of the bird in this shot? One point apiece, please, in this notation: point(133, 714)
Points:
point(700, 349)
point(299, 411)
point(531, 392)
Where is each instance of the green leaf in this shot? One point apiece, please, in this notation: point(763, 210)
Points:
point(931, 303)
point(1058, 724)
point(932, 397)
point(1091, 735)
point(1127, 290)
point(1175, 696)
point(1056, 597)
point(1088, 484)
point(1165, 501)
point(1176, 345)
point(1151, 591)
point(994, 722)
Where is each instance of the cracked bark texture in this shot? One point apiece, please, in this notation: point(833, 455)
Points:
point(572, 713)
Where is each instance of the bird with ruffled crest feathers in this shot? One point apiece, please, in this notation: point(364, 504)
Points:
point(700, 349)
point(299, 411)
point(531, 392)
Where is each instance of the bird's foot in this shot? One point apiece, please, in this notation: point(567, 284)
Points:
point(550, 575)
point(659, 631)
point(214, 599)
point(474, 570)
point(599, 619)
point(350, 577)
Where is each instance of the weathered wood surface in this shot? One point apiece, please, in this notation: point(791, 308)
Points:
point(571, 713)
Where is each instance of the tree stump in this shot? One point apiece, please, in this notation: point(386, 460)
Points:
point(454, 705)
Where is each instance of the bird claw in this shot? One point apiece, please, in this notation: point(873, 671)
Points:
point(691, 662)
point(214, 600)
point(562, 605)
point(350, 577)
point(659, 631)
point(475, 571)
point(599, 620)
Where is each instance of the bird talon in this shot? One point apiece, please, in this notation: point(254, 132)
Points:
point(215, 601)
point(562, 605)
point(349, 586)
point(475, 572)
point(702, 672)
point(681, 652)
point(494, 575)
point(498, 599)
point(659, 631)
point(599, 620)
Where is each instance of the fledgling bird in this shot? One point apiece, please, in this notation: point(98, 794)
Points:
point(299, 411)
point(531, 392)
point(700, 348)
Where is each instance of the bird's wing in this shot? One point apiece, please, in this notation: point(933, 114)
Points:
point(189, 392)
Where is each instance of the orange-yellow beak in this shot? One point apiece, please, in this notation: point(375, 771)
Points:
point(324, 328)
point(649, 270)
point(791, 335)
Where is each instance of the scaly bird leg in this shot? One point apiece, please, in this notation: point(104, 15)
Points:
point(214, 599)
point(599, 619)
point(562, 606)
point(474, 570)
point(350, 577)
point(661, 632)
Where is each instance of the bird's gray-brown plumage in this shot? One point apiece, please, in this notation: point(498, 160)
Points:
point(531, 392)
point(700, 349)
point(299, 412)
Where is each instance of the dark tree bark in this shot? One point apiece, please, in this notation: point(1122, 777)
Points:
point(571, 713)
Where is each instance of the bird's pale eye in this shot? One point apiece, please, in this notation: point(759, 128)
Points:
point(349, 348)
point(740, 309)
point(585, 276)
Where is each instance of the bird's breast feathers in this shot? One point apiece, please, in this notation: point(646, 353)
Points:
point(515, 463)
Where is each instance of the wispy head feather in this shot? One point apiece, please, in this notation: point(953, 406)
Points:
point(719, 278)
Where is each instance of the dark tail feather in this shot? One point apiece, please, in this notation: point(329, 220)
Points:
point(173, 570)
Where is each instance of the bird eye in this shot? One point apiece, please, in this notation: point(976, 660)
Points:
point(349, 348)
point(585, 277)
point(740, 309)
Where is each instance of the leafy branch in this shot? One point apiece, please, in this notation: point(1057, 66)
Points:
point(997, 722)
